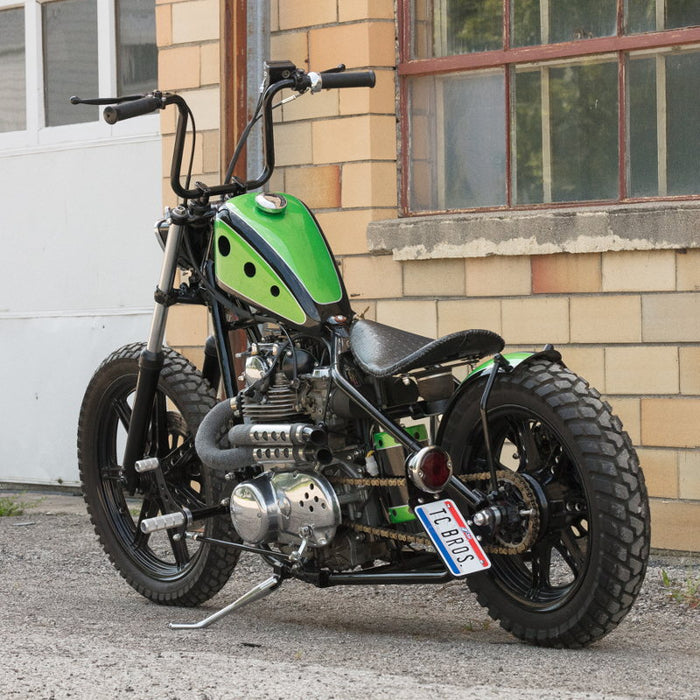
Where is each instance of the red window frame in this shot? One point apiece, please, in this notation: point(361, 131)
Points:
point(619, 44)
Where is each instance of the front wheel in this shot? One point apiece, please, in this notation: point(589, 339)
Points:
point(163, 568)
point(574, 568)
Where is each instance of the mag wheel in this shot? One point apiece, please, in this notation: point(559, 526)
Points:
point(583, 551)
point(166, 570)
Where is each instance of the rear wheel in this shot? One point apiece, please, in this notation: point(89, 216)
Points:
point(580, 558)
point(161, 567)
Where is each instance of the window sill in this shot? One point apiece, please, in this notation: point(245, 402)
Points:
point(648, 226)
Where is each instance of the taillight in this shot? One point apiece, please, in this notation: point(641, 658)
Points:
point(430, 469)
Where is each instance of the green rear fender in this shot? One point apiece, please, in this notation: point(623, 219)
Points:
point(518, 361)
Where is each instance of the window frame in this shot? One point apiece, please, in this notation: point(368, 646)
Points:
point(505, 59)
point(38, 136)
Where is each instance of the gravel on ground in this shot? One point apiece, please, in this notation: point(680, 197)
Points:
point(72, 628)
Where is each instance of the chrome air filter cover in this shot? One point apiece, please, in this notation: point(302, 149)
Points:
point(280, 506)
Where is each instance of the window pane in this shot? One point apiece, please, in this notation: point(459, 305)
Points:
point(653, 15)
point(457, 131)
point(449, 27)
point(683, 122)
point(565, 141)
point(136, 47)
point(12, 78)
point(554, 21)
point(643, 152)
point(70, 59)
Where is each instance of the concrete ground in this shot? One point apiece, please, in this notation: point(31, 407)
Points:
point(72, 628)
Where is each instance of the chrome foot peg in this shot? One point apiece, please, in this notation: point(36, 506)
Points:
point(260, 591)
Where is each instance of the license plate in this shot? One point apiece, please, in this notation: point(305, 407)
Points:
point(453, 539)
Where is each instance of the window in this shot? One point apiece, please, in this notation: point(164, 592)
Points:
point(12, 86)
point(516, 103)
point(53, 49)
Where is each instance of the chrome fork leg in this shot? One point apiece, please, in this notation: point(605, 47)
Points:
point(260, 591)
point(167, 279)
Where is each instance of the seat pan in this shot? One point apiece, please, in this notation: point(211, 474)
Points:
point(383, 351)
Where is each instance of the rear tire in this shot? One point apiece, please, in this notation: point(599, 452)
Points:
point(163, 569)
point(583, 572)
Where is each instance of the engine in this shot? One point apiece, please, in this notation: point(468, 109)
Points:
point(297, 441)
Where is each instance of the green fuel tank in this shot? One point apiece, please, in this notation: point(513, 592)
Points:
point(269, 251)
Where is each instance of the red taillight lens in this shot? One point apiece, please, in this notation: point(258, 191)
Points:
point(430, 469)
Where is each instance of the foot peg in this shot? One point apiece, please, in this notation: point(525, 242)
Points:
point(260, 591)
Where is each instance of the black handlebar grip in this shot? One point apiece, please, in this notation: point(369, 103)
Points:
point(133, 108)
point(348, 80)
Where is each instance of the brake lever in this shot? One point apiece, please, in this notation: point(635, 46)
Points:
point(338, 69)
point(75, 100)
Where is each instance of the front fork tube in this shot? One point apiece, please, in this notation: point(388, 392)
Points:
point(151, 359)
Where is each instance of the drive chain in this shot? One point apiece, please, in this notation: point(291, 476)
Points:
point(411, 538)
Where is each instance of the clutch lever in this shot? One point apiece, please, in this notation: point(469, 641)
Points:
point(75, 100)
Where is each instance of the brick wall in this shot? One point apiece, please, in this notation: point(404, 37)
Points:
point(187, 33)
point(627, 321)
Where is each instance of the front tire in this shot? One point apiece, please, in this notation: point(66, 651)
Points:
point(581, 575)
point(165, 569)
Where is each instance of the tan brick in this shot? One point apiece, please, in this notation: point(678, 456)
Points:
point(675, 525)
point(369, 184)
point(317, 106)
point(637, 271)
point(178, 68)
point(588, 363)
point(210, 151)
point(168, 119)
point(660, 469)
point(689, 474)
point(365, 309)
point(536, 320)
point(606, 319)
point(290, 46)
point(205, 107)
point(210, 64)
point(346, 139)
point(194, 354)
point(464, 314)
point(381, 99)
point(274, 15)
point(293, 144)
point(629, 412)
point(690, 370)
point(372, 277)
point(565, 273)
point(412, 316)
point(195, 21)
point(302, 13)
point(671, 317)
point(498, 276)
point(671, 422)
point(318, 187)
point(641, 370)
point(187, 325)
point(346, 230)
point(688, 270)
point(433, 278)
point(351, 10)
point(355, 45)
point(164, 25)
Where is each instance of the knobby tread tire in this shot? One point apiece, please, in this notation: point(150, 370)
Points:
point(193, 397)
point(619, 531)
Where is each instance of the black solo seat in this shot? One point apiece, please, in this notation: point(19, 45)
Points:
point(383, 351)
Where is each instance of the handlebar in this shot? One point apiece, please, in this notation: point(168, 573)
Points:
point(282, 74)
point(134, 108)
point(328, 81)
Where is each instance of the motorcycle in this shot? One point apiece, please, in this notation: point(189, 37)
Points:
point(349, 454)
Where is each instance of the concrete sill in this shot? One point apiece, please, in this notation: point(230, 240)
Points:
point(657, 226)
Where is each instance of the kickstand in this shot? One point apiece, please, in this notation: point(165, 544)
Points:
point(260, 591)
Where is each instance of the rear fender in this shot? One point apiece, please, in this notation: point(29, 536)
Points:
point(519, 361)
